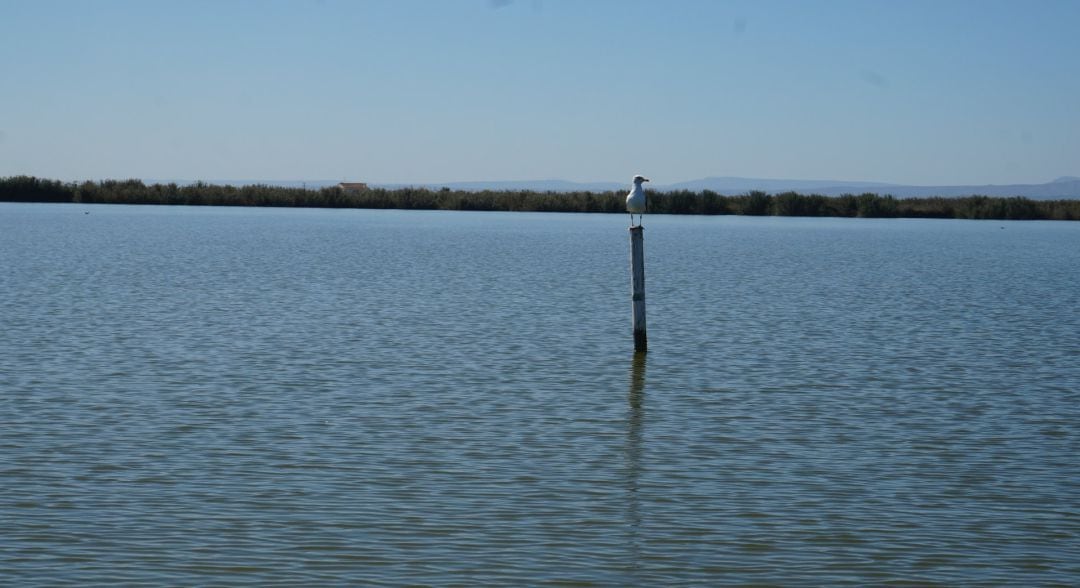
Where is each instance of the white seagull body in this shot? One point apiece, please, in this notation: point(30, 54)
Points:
point(635, 200)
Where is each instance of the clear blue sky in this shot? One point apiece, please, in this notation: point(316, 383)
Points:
point(920, 92)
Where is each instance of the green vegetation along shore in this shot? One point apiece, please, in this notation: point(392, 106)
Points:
point(31, 189)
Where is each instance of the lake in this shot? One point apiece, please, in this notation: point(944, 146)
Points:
point(235, 396)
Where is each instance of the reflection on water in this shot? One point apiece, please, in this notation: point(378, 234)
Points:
point(634, 424)
point(637, 386)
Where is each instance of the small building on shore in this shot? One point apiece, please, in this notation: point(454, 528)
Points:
point(353, 186)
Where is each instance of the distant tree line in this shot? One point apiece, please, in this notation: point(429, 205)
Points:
point(868, 205)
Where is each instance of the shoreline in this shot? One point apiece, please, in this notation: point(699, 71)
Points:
point(756, 203)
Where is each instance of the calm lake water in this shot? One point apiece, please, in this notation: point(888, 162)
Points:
point(225, 396)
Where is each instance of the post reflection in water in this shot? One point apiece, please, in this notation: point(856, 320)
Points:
point(634, 422)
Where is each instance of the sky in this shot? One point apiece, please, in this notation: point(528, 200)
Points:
point(935, 92)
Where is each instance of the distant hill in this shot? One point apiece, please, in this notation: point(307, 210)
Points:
point(729, 185)
point(1065, 187)
point(310, 184)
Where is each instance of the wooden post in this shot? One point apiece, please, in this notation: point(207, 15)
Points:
point(637, 272)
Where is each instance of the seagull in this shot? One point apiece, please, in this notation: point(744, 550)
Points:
point(635, 200)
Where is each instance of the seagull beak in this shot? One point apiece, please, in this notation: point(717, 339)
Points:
point(644, 179)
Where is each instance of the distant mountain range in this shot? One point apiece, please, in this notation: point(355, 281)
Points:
point(1065, 187)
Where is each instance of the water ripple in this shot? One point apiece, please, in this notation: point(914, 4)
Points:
point(285, 397)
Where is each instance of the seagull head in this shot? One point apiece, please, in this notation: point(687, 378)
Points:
point(639, 178)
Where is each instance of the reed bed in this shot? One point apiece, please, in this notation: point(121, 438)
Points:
point(867, 205)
